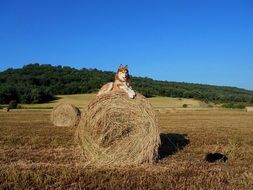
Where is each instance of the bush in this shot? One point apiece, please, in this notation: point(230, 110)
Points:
point(13, 104)
point(184, 105)
point(251, 100)
point(228, 105)
point(240, 106)
point(234, 105)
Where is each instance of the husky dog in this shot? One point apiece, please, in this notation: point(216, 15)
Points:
point(121, 83)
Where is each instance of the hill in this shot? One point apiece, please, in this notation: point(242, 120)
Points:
point(161, 104)
point(38, 83)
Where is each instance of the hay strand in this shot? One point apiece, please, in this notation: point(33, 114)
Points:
point(65, 115)
point(117, 130)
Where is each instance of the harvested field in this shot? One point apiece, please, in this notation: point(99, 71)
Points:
point(82, 100)
point(36, 155)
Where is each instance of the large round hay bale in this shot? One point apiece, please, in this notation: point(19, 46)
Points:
point(65, 115)
point(117, 130)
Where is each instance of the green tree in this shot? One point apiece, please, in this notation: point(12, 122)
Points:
point(36, 83)
point(251, 100)
point(13, 104)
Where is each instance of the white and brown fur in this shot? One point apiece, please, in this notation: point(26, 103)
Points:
point(121, 83)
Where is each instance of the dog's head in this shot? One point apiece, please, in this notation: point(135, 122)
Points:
point(122, 73)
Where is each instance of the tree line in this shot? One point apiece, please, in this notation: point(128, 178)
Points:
point(38, 83)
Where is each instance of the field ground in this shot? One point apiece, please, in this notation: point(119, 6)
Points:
point(79, 100)
point(159, 103)
point(36, 155)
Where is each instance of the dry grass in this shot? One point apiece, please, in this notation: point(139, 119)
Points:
point(65, 115)
point(118, 130)
point(36, 155)
point(161, 103)
point(168, 102)
point(80, 100)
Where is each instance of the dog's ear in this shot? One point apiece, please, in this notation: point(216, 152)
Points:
point(126, 67)
point(121, 66)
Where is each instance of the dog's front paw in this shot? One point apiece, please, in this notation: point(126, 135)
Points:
point(132, 95)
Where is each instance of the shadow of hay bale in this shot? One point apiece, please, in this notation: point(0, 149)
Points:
point(171, 143)
point(213, 157)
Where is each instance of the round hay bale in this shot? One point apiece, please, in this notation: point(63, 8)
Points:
point(117, 130)
point(65, 115)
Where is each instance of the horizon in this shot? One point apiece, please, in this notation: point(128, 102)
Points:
point(130, 75)
point(198, 42)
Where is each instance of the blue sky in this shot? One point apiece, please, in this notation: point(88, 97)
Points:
point(199, 41)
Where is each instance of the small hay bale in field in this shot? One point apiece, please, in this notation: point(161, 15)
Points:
point(65, 115)
point(249, 109)
point(117, 130)
point(6, 109)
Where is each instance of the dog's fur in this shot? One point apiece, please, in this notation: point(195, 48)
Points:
point(121, 83)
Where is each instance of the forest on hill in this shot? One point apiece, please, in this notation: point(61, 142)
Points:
point(38, 83)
